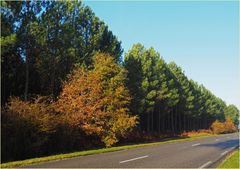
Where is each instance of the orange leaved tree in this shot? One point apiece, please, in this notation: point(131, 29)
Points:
point(229, 125)
point(217, 127)
point(96, 100)
point(223, 127)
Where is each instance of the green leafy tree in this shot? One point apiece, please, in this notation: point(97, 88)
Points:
point(12, 64)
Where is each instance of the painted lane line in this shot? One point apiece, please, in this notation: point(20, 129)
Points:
point(206, 164)
point(137, 158)
point(231, 148)
point(225, 152)
point(196, 144)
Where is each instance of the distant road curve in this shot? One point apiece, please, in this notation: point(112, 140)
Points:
point(200, 153)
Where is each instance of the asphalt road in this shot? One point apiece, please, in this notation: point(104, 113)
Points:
point(201, 153)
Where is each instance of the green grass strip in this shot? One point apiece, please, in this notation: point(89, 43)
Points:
point(232, 161)
point(97, 151)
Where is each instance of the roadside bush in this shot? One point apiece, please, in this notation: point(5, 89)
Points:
point(223, 127)
point(196, 133)
point(26, 127)
point(217, 127)
point(229, 125)
point(33, 128)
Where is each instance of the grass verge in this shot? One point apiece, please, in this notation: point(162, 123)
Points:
point(232, 161)
point(89, 152)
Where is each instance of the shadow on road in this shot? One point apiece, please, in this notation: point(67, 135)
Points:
point(223, 144)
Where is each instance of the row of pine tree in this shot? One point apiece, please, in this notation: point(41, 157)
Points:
point(165, 99)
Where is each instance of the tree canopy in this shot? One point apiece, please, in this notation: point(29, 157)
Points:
point(46, 39)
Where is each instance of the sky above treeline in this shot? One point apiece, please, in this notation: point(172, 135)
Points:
point(201, 37)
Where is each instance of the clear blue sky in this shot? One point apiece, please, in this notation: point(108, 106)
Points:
point(201, 37)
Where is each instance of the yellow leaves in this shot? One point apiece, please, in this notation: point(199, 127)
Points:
point(8, 40)
point(223, 127)
point(196, 133)
point(109, 140)
point(123, 123)
point(229, 125)
point(96, 100)
point(217, 127)
point(91, 129)
point(38, 112)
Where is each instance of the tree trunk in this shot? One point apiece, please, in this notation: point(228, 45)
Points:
point(184, 122)
point(163, 124)
point(176, 120)
point(148, 122)
point(172, 120)
point(53, 77)
point(159, 121)
point(180, 122)
point(26, 76)
point(152, 125)
point(169, 121)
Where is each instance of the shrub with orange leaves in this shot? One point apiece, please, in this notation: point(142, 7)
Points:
point(196, 133)
point(97, 100)
point(26, 127)
point(223, 127)
point(217, 127)
point(229, 125)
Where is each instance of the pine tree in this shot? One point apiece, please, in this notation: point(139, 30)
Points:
point(232, 112)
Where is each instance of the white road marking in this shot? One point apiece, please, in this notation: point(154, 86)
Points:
point(217, 139)
point(231, 148)
point(196, 144)
point(137, 158)
point(225, 152)
point(206, 164)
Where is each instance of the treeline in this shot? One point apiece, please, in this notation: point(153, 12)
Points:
point(165, 99)
point(65, 86)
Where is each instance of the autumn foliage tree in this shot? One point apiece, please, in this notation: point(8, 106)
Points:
point(96, 100)
point(223, 127)
point(217, 127)
point(229, 125)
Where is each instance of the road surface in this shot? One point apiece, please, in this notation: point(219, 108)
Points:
point(201, 153)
